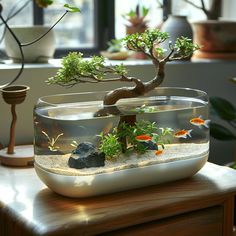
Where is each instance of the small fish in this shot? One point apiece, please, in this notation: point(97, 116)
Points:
point(143, 137)
point(158, 152)
point(200, 122)
point(107, 128)
point(183, 133)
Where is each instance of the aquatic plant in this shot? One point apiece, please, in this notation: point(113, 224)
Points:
point(110, 145)
point(140, 137)
point(52, 142)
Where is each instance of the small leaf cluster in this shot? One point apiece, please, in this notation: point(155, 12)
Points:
point(75, 69)
point(227, 112)
point(145, 41)
point(184, 47)
point(110, 145)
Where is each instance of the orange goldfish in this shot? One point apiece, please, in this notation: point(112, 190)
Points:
point(158, 152)
point(183, 133)
point(200, 122)
point(143, 137)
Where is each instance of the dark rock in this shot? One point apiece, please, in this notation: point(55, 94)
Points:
point(84, 149)
point(94, 159)
point(150, 145)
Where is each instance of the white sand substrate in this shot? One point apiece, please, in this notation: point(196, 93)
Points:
point(172, 152)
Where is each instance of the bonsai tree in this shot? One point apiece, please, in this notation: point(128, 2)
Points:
point(213, 13)
point(77, 70)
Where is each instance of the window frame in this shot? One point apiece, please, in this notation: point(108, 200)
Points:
point(104, 19)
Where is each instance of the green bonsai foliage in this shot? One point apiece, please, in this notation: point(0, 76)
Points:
point(77, 70)
point(136, 136)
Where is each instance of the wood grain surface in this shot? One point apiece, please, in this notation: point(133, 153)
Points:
point(28, 207)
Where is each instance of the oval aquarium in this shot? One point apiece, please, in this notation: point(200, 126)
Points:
point(84, 148)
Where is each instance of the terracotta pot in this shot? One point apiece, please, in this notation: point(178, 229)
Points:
point(216, 38)
point(130, 29)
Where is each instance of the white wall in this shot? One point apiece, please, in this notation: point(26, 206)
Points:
point(211, 77)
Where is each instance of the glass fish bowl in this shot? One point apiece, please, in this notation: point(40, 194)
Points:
point(84, 148)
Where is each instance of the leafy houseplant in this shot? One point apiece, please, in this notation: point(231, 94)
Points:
point(208, 33)
point(136, 20)
point(16, 94)
point(227, 113)
point(37, 52)
point(115, 50)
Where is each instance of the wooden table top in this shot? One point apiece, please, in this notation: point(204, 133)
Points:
point(39, 210)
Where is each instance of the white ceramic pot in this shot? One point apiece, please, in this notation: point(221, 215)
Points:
point(40, 51)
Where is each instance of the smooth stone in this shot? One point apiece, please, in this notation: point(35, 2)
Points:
point(94, 159)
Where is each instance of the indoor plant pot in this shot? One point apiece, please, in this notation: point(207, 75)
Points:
point(216, 38)
point(40, 51)
point(61, 121)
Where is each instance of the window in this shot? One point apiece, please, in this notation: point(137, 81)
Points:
point(100, 20)
point(85, 32)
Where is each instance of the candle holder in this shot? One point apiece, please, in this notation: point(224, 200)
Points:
point(15, 155)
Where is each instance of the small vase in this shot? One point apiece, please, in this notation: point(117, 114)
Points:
point(176, 26)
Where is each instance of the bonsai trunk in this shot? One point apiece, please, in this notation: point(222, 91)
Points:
point(140, 89)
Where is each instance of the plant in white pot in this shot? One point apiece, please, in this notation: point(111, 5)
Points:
point(39, 51)
point(15, 94)
point(95, 143)
point(216, 37)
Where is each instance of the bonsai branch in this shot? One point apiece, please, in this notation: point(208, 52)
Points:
point(74, 66)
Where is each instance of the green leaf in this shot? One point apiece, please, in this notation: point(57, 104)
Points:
point(144, 11)
point(223, 108)
point(71, 8)
point(220, 132)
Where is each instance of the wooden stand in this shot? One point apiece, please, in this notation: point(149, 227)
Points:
point(199, 206)
point(23, 156)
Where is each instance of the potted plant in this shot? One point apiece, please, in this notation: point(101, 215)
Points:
point(216, 37)
point(115, 50)
point(136, 19)
point(112, 141)
point(40, 51)
point(226, 130)
point(15, 94)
